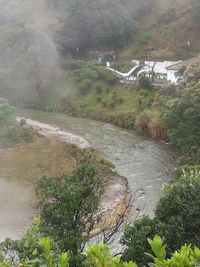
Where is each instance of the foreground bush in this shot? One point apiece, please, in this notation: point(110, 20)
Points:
point(177, 218)
point(99, 256)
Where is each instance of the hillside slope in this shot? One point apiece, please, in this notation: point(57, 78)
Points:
point(167, 24)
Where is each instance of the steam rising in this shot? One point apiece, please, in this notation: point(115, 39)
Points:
point(29, 62)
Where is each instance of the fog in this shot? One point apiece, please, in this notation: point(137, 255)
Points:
point(35, 33)
point(29, 62)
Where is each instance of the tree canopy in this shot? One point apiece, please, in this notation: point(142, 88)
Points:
point(69, 207)
point(182, 118)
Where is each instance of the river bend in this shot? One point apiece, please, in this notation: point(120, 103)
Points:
point(145, 163)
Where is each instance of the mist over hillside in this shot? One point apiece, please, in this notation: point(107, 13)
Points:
point(93, 24)
point(33, 32)
point(29, 60)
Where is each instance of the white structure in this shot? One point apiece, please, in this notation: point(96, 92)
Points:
point(161, 69)
point(171, 71)
point(127, 74)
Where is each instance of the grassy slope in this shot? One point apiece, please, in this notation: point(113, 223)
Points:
point(124, 113)
point(127, 93)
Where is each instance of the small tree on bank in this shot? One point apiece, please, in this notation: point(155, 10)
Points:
point(68, 207)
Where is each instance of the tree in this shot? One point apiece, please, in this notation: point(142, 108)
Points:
point(177, 214)
point(69, 207)
point(10, 129)
point(7, 115)
point(182, 119)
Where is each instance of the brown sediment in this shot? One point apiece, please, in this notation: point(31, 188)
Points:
point(147, 126)
point(110, 218)
point(153, 129)
point(113, 202)
point(156, 130)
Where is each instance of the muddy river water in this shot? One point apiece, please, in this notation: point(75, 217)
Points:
point(144, 162)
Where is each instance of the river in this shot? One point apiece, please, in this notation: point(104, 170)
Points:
point(145, 163)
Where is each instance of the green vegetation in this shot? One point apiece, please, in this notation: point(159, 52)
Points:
point(99, 256)
point(145, 83)
point(182, 118)
point(32, 250)
point(103, 97)
point(12, 132)
point(176, 218)
point(94, 91)
point(70, 217)
point(42, 251)
point(135, 240)
point(85, 86)
point(122, 66)
point(69, 204)
point(7, 117)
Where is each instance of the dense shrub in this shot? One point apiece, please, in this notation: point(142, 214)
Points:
point(182, 118)
point(7, 116)
point(98, 89)
point(177, 213)
point(88, 73)
point(177, 218)
point(40, 251)
point(145, 82)
point(143, 38)
point(135, 240)
point(112, 99)
point(98, 99)
point(11, 131)
point(85, 86)
point(107, 75)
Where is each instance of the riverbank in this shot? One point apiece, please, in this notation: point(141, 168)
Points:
point(53, 153)
point(114, 198)
point(145, 163)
